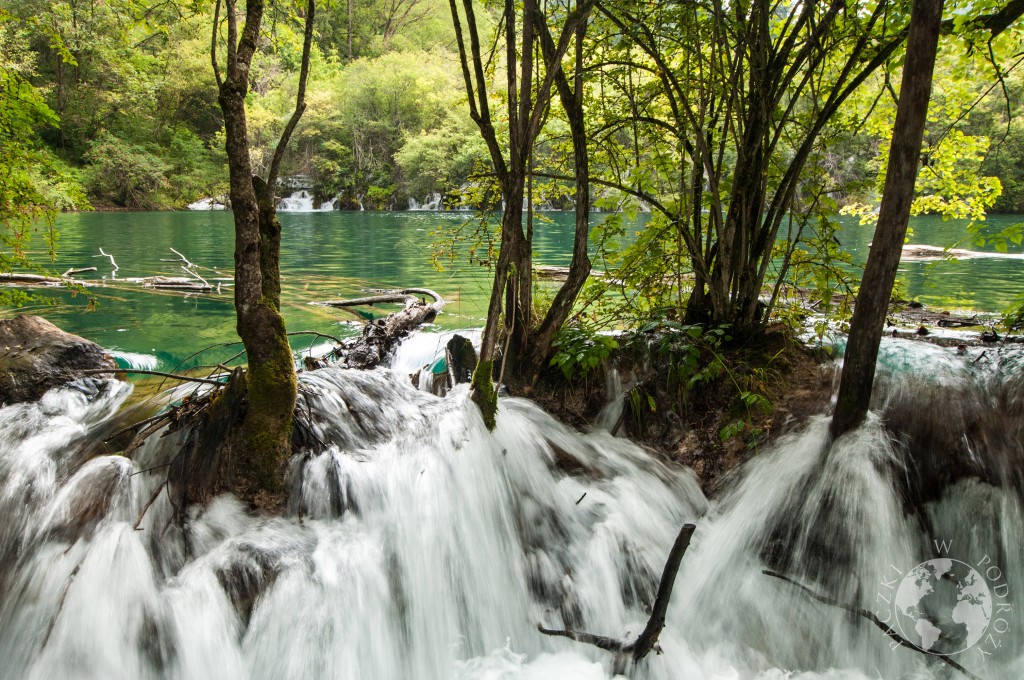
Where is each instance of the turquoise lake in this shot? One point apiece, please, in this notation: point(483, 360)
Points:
point(342, 254)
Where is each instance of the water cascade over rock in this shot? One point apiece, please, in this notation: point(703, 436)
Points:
point(418, 544)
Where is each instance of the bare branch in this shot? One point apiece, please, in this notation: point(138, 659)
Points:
point(213, 44)
point(173, 376)
point(647, 641)
point(870, 616)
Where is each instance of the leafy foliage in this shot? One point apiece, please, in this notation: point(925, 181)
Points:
point(34, 184)
point(578, 352)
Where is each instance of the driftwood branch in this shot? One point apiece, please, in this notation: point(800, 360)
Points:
point(42, 280)
point(173, 376)
point(647, 641)
point(870, 616)
point(71, 272)
point(113, 274)
point(405, 295)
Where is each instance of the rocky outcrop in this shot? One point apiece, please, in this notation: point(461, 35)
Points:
point(35, 355)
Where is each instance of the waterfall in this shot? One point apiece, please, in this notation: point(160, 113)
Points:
point(302, 201)
point(418, 544)
point(432, 202)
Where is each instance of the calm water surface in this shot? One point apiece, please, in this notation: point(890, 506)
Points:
point(342, 254)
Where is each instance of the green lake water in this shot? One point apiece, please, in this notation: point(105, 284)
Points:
point(341, 254)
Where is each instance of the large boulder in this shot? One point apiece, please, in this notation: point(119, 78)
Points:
point(35, 355)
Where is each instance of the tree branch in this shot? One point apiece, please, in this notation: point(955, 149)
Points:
point(870, 616)
point(647, 641)
point(300, 101)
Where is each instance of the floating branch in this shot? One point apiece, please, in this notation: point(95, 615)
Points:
point(405, 295)
point(173, 283)
point(647, 641)
point(870, 616)
point(71, 272)
point(41, 280)
point(113, 274)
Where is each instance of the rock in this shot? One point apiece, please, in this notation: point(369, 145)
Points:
point(35, 355)
point(461, 358)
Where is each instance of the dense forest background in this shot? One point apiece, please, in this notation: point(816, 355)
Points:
point(116, 108)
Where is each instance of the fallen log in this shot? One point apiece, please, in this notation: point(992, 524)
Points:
point(547, 272)
point(42, 280)
point(381, 336)
point(405, 295)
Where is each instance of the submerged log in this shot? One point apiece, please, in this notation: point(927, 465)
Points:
point(173, 283)
point(15, 278)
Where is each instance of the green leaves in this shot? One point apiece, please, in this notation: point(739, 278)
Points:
point(578, 352)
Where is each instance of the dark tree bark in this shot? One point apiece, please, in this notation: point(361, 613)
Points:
point(527, 103)
point(538, 353)
point(261, 445)
point(894, 214)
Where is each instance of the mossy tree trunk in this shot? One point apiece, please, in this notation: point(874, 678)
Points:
point(261, 444)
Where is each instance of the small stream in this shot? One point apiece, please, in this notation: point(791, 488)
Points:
point(420, 545)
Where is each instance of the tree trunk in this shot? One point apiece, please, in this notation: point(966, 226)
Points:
point(571, 98)
point(258, 449)
point(262, 444)
point(894, 214)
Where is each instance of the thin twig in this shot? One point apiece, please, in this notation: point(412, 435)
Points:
point(133, 426)
point(145, 508)
point(173, 376)
point(60, 605)
point(318, 334)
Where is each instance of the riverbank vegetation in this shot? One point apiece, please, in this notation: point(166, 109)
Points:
point(139, 128)
point(742, 131)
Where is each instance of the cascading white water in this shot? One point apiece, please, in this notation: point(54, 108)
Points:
point(431, 202)
point(302, 201)
point(219, 203)
point(418, 544)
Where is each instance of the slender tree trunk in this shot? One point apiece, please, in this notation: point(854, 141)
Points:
point(349, 30)
point(579, 268)
point(261, 447)
point(893, 216)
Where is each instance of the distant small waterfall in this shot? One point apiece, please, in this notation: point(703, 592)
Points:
point(432, 202)
point(302, 201)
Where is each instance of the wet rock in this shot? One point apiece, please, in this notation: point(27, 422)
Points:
point(35, 355)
